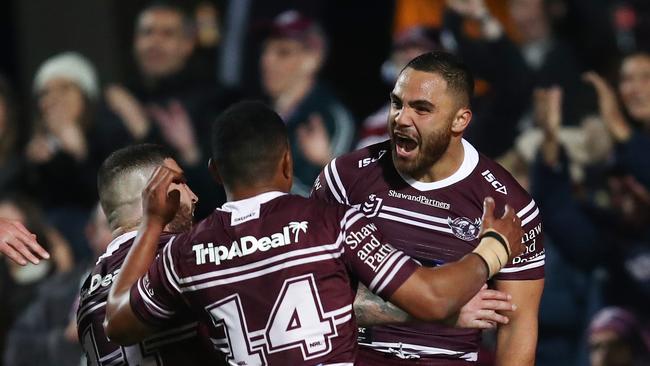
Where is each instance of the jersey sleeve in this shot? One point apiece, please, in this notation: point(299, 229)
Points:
point(156, 296)
point(377, 264)
point(329, 187)
point(530, 264)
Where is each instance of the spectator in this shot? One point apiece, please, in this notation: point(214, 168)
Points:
point(48, 326)
point(512, 70)
point(320, 127)
point(617, 338)
point(61, 151)
point(171, 103)
point(629, 128)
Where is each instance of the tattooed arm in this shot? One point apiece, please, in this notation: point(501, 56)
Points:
point(371, 309)
point(479, 312)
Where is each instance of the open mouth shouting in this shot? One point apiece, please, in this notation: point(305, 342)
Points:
point(405, 146)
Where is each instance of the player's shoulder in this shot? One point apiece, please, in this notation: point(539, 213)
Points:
point(346, 170)
point(354, 161)
point(499, 183)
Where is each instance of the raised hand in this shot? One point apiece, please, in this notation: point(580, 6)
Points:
point(158, 202)
point(17, 243)
point(481, 311)
point(314, 141)
point(610, 110)
point(508, 225)
point(177, 129)
point(129, 109)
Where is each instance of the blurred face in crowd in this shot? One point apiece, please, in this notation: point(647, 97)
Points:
point(285, 63)
point(185, 214)
point(61, 101)
point(530, 18)
point(608, 349)
point(163, 43)
point(420, 122)
point(634, 87)
point(98, 232)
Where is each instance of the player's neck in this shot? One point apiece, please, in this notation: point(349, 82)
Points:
point(447, 165)
point(242, 193)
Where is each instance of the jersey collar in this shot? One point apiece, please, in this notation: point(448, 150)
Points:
point(249, 208)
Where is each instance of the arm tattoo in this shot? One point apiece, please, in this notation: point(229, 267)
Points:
point(371, 309)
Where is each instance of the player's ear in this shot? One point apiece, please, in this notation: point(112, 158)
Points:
point(461, 120)
point(214, 171)
point(287, 164)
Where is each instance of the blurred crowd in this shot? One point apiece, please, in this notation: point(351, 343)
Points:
point(562, 101)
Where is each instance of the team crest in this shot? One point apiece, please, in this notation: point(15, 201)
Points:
point(371, 207)
point(465, 228)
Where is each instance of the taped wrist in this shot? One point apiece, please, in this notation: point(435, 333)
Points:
point(494, 250)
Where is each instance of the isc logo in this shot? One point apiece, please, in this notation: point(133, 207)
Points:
point(365, 162)
point(495, 183)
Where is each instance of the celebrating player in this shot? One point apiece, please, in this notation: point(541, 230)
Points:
point(122, 178)
point(275, 275)
point(424, 188)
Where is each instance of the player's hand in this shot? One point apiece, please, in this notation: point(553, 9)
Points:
point(159, 202)
point(508, 225)
point(610, 110)
point(17, 243)
point(481, 311)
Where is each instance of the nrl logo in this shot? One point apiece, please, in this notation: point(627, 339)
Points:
point(465, 228)
point(371, 207)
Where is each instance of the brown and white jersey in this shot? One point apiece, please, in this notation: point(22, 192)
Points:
point(274, 276)
point(435, 223)
point(178, 344)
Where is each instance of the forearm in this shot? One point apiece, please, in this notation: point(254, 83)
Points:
point(516, 343)
point(119, 323)
point(371, 309)
point(438, 293)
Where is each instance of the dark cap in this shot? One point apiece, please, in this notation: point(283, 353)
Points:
point(418, 36)
point(294, 25)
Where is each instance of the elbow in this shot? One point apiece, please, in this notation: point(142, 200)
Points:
point(116, 333)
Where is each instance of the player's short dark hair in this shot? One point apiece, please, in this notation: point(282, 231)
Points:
point(452, 69)
point(126, 160)
point(248, 140)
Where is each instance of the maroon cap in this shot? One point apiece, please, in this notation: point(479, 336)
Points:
point(418, 36)
point(294, 25)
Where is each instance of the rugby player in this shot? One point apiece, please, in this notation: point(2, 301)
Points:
point(424, 187)
point(121, 180)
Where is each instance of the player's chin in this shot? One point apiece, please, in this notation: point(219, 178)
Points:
point(182, 221)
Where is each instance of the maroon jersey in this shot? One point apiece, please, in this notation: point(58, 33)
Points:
point(176, 345)
point(274, 276)
point(435, 223)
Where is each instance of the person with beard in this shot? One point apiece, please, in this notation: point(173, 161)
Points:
point(121, 180)
point(424, 188)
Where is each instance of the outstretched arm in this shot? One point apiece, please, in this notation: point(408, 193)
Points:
point(122, 325)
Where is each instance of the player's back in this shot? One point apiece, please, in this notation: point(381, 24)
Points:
point(272, 274)
point(176, 345)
